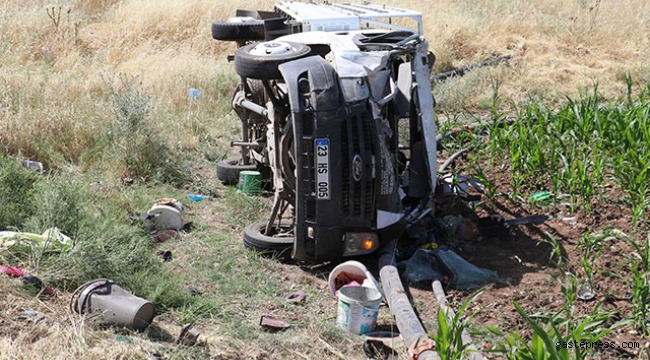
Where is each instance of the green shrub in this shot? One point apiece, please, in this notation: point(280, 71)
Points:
point(17, 193)
point(124, 254)
point(59, 202)
point(144, 154)
point(110, 250)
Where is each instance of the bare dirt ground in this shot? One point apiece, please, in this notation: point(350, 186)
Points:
point(524, 256)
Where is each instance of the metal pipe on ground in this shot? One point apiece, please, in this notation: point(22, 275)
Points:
point(407, 321)
point(442, 302)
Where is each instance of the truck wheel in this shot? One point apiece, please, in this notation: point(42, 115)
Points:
point(278, 244)
point(228, 170)
point(246, 29)
point(261, 60)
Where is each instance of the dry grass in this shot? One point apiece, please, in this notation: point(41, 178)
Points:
point(568, 46)
point(52, 333)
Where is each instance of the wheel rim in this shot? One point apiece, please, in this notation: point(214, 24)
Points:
point(242, 20)
point(272, 48)
point(279, 231)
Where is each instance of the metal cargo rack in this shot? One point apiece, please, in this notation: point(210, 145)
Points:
point(328, 16)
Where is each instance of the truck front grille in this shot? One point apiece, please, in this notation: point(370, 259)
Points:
point(357, 196)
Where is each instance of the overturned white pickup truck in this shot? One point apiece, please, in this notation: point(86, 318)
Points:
point(337, 114)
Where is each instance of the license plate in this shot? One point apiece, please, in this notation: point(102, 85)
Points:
point(322, 169)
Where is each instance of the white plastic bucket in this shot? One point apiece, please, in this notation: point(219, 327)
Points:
point(167, 214)
point(358, 308)
point(356, 270)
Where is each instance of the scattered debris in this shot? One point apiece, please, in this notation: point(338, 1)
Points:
point(12, 271)
point(164, 220)
point(540, 196)
point(159, 236)
point(167, 213)
point(461, 71)
point(36, 166)
point(422, 267)
point(468, 230)
point(377, 350)
point(298, 297)
point(571, 220)
point(452, 223)
point(194, 94)
point(29, 281)
point(124, 339)
point(459, 185)
point(188, 335)
point(586, 293)
point(250, 182)
point(273, 323)
point(495, 226)
point(195, 197)
point(166, 255)
point(381, 334)
point(98, 296)
point(406, 320)
point(536, 219)
point(428, 265)
point(421, 345)
point(459, 228)
point(32, 283)
point(52, 240)
point(31, 316)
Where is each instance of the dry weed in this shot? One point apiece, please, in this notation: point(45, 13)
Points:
point(567, 46)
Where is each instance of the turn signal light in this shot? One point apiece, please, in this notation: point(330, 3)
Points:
point(360, 243)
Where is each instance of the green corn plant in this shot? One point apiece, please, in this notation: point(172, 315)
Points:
point(640, 283)
point(556, 335)
point(640, 299)
point(634, 179)
point(568, 288)
point(555, 171)
point(448, 337)
point(592, 246)
point(491, 187)
point(555, 257)
point(584, 179)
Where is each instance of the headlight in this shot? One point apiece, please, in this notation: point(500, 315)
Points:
point(355, 89)
point(360, 243)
